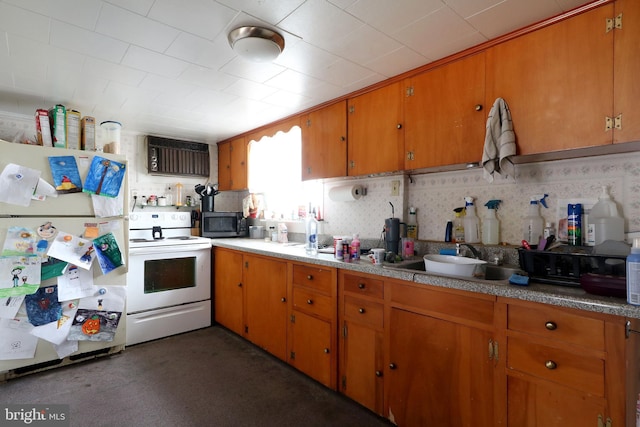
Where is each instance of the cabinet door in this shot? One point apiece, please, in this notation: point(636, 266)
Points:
point(224, 166)
point(265, 303)
point(447, 377)
point(311, 350)
point(238, 162)
point(376, 135)
point(558, 83)
point(444, 114)
point(362, 365)
point(228, 289)
point(324, 142)
point(627, 70)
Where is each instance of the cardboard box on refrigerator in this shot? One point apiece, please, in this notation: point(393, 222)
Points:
point(88, 133)
point(73, 129)
point(58, 120)
point(43, 128)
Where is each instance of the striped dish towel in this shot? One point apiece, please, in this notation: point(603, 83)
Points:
point(499, 142)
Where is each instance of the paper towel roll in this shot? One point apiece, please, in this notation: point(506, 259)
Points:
point(346, 193)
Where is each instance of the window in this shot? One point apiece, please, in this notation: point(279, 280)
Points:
point(275, 175)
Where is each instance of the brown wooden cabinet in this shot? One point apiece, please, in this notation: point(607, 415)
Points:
point(442, 357)
point(361, 309)
point(558, 83)
point(232, 164)
point(564, 367)
point(313, 339)
point(444, 114)
point(228, 294)
point(375, 131)
point(324, 142)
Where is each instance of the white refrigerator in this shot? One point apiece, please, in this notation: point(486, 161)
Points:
point(72, 213)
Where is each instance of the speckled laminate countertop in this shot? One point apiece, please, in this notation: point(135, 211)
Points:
point(547, 294)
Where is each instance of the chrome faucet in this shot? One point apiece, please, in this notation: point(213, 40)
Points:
point(474, 251)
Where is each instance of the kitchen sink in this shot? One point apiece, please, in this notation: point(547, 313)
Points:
point(489, 272)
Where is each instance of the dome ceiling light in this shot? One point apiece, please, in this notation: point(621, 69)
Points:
point(256, 44)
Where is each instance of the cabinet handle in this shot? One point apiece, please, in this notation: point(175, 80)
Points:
point(392, 366)
point(550, 364)
point(378, 373)
point(326, 350)
point(478, 107)
point(399, 126)
point(342, 138)
point(309, 301)
point(309, 277)
point(361, 310)
point(360, 285)
point(283, 299)
point(240, 284)
point(552, 326)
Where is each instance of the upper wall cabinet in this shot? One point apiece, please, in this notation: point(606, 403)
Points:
point(444, 114)
point(232, 165)
point(376, 134)
point(558, 83)
point(324, 142)
point(626, 69)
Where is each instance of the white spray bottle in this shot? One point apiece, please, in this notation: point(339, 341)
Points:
point(471, 222)
point(490, 224)
point(533, 223)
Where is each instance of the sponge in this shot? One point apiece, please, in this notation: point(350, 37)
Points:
point(447, 252)
point(517, 279)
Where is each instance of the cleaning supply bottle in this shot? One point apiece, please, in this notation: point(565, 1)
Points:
point(491, 225)
point(355, 247)
point(412, 224)
point(471, 222)
point(448, 231)
point(604, 221)
point(458, 225)
point(633, 273)
point(533, 224)
point(311, 242)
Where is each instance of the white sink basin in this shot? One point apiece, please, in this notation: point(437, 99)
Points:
point(452, 265)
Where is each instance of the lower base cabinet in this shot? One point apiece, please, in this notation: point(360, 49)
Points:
point(311, 350)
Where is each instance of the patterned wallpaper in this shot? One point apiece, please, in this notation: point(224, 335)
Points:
point(434, 195)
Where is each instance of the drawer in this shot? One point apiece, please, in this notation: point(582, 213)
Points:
point(313, 303)
point(364, 286)
point(584, 373)
point(313, 277)
point(557, 324)
point(365, 312)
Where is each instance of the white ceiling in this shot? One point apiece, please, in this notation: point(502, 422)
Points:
point(164, 67)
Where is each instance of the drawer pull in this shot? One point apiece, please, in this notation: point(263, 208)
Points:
point(550, 364)
point(309, 301)
point(360, 285)
point(309, 277)
point(378, 373)
point(326, 350)
point(283, 299)
point(552, 326)
point(361, 310)
point(392, 366)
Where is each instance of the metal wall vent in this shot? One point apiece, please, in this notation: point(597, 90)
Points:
point(174, 157)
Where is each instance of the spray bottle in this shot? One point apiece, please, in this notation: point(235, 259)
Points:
point(471, 222)
point(458, 225)
point(533, 224)
point(491, 225)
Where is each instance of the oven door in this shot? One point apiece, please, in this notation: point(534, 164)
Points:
point(164, 276)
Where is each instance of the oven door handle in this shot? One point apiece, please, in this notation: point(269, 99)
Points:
point(169, 249)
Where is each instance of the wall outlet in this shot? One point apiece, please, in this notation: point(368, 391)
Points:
point(395, 188)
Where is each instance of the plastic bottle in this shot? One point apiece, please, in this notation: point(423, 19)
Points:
point(533, 224)
point(448, 231)
point(282, 233)
point(574, 224)
point(338, 253)
point(274, 234)
point(548, 230)
point(491, 225)
point(178, 198)
point(471, 222)
point(604, 221)
point(458, 225)
point(633, 273)
point(355, 247)
point(311, 241)
point(412, 224)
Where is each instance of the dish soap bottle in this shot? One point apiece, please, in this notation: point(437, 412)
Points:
point(311, 242)
point(458, 225)
point(533, 224)
point(491, 225)
point(633, 273)
point(471, 222)
point(604, 221)
point(412, 224)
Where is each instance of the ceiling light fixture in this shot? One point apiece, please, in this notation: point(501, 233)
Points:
point(256, 44)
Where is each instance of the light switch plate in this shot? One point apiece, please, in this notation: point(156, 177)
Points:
point(395, 188)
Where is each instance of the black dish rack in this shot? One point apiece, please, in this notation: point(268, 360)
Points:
point(564, 266)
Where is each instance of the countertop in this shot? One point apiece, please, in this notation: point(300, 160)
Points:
point(548, 294)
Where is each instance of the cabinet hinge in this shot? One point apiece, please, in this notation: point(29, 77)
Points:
point(344, 382)
point(352, 109)
point(352, 164)
point(246, 264)
point(614, 23)
point(409, 91)
point(493, 350)
point(308, 123)
point(309, 170)
point(293, 318)
point(246, 329)
point(617, 122)
point(344, 331)
point(601, 422)
point(410, 155)
point(292, 355)
point(608, 123)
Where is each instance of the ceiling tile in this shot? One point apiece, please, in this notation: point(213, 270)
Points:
point(286, 99)
point(305, 58)
point(396, 62)
point(153, 62)
point(207, 78)
point(24, 23)
point(270, 11)
point(257, 72)
point(133, 28)
point(364, 44)
point(250, 90)
point(82, 13)
point(390, 16)
point(86, 42)
point(140, 7)
point(116, 72)
point(205, 18)
point(166, 87)
point(294, 81)
point(467, 8)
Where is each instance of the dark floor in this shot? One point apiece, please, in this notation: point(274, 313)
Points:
point(208, 377)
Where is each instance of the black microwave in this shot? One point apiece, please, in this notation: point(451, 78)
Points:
point(223, 224)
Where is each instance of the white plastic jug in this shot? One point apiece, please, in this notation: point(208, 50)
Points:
point(604, 221)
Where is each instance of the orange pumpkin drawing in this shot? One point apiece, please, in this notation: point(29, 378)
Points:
point(91, 326)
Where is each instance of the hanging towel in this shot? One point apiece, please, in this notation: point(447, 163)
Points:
point(499, 142)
